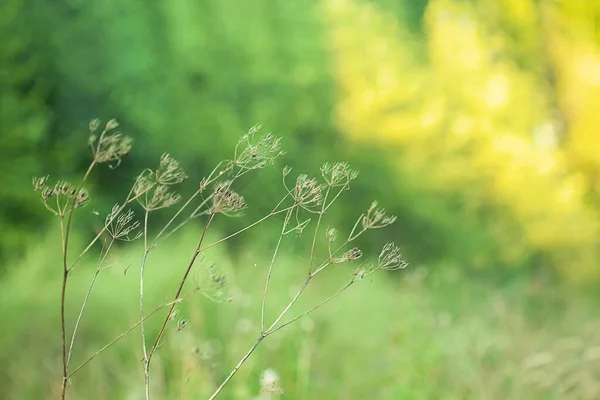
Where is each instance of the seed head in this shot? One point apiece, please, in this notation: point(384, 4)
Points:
point(331, 234)
point(121, 225)
point(391, 259)
point(40, 183)
point(82, 197)
point(250, 155)
point(109, 147)
point(94, 124)
point(111, 124)
point(351, 255)
point(226, 200)
point(377, 218)
point(169, 172)
point(307, 192)
point(162, 198)
point(338, 174)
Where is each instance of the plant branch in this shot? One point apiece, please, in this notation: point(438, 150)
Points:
point(180, 288)
point(268, 279)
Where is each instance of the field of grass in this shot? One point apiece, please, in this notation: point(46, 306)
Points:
point(426, 332)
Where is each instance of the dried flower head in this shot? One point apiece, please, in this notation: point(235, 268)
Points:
point(390, 258)
point(161, 197)
point(307, 191)
point(182, 324)
point(249, 155)
point(111, 124)
point(331, 234)
point(121, 225)
point(225, 200)
point(270, 384)
point(338, 174)
point(218, 279)
point(377, 218)
point(40, 183)
point(67, 196)
point(351, 255)
point(108, 147)
point(169, 172)
point(144, 182)
point(82, 197)
point(94, 125)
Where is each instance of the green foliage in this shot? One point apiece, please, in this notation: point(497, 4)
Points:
point(431, 335)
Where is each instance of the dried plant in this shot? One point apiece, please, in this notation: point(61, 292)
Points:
point(303, 205)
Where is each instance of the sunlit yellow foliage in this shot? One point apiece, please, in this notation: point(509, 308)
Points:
point(575, 49)
point(474, 120)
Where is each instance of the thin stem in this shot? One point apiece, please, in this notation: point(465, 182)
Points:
point(143, 332)
point(180, 288)
point(183, 207)
point(274, 212)
point(311, 309)
point(268, 279)
point(185, 221)
point(122, 335)
point(65, 244)
point(97, 237)
point(87, 296)
point(291, 303)
point(314, 242)
point(237, 367)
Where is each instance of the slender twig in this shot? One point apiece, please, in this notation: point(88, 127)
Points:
point(65, 245)
point(268, 279)
point(274, 212)
point(87, 296)
point(122, 335)
point(101, 232)
point(314, 242)
point(180, 288)
point(273, 330)
point(143, 332)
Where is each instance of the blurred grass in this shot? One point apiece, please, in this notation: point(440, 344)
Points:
point(422, 333)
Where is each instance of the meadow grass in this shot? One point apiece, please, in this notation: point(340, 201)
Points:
point(428, 333)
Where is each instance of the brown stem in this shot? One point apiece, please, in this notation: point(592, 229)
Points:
point(180, 288)
point(65, 244)
point(122, 335)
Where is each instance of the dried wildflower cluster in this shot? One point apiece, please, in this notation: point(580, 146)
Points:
point(390, 258)
point(169, 172)
point(153, 188)
point(121, 225)
point(331, 235)
point(109, 146)
point(249, 155)
point(307, 192)
point(351, 255)
point(377, 218)
point(65, 194)
point(225, 200)
point(338, 174)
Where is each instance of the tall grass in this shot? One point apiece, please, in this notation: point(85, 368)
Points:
point(429, 335)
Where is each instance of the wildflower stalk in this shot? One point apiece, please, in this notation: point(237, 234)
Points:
point(124, 333)
point(65, 244)
point(143, 332)
point(87, 296)
point(179, 289)
point(268, 279)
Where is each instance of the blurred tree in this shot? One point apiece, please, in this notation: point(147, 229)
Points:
point(476, 127)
